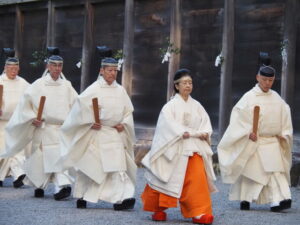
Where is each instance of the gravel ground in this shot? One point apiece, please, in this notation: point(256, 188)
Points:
point(19, 207)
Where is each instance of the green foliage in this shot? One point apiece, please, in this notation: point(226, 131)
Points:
point(170, 47)
point(39, 58)
point(119, 54)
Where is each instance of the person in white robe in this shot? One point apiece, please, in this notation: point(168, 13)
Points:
point(258, 165)
point(179, 164)
point(24, 127)
point(13, 88)
point(102, 152)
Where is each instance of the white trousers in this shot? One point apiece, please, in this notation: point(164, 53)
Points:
point(276, 190)
point(12, 166)
point(59, 180)
point(116, 187)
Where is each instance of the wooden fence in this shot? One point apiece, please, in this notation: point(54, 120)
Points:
point(143, 29)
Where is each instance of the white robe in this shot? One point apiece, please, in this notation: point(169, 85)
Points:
point(259, 171)
point(40, 166)
point(12, 92)
point(167, 160)
point(103, 158)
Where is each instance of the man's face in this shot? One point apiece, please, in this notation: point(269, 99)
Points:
point(11, 71)
point(265, 83)
point(55, 70)
point(109, 73)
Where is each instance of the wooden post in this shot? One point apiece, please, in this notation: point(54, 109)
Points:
point(19, 26)
point(128, 46)
point(1, 96)
point(227, 66)
point(50, 24)
point(289, 52)
point(175, 38)
point(88, 44)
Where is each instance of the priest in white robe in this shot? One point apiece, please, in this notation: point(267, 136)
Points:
point(258, 165)
point(102, 151)
point(179, 164)
point(13, 89)
point(24, 127)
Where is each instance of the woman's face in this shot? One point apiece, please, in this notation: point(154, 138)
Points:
point(185, 85)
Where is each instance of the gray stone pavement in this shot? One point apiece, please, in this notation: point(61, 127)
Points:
point(19, 207)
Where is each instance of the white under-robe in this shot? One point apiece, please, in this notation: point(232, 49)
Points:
point(103, 158)
point(40, 167)
point(13, 89)
point(167, 160)
point(259, 171)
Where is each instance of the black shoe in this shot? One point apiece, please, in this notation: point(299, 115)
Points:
point(286, 204)
point(81, 204)
point(276, 208)
point(1, 183)
point(63, 193)
point(244, 205)
point(126, 204)
point(19, 182)
point(39, 193)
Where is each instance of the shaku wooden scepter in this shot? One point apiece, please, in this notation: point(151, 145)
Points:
point(41, 108)
point(96, 110)
point(255, 119)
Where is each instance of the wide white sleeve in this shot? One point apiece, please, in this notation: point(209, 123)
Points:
point(19, 130)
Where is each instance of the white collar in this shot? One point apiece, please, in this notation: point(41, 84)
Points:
point(103, 82)
point(178, 96)
point(4, 77)
point(49, 80)
point(259, 91)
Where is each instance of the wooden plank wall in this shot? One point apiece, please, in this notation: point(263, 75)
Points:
point(152, 27)
point(108, 30)
point(68, 38)
point(296, 95)
point(7, 29)
point(257, 29)
point(202, 24)
point(140, 28)
point(32, 37)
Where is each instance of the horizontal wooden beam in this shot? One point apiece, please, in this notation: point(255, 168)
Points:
point(10, 2)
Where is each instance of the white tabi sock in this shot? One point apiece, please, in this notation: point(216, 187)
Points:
point(198, 217)
point(273, 204)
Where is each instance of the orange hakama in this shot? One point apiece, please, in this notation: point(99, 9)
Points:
point(195, 196)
